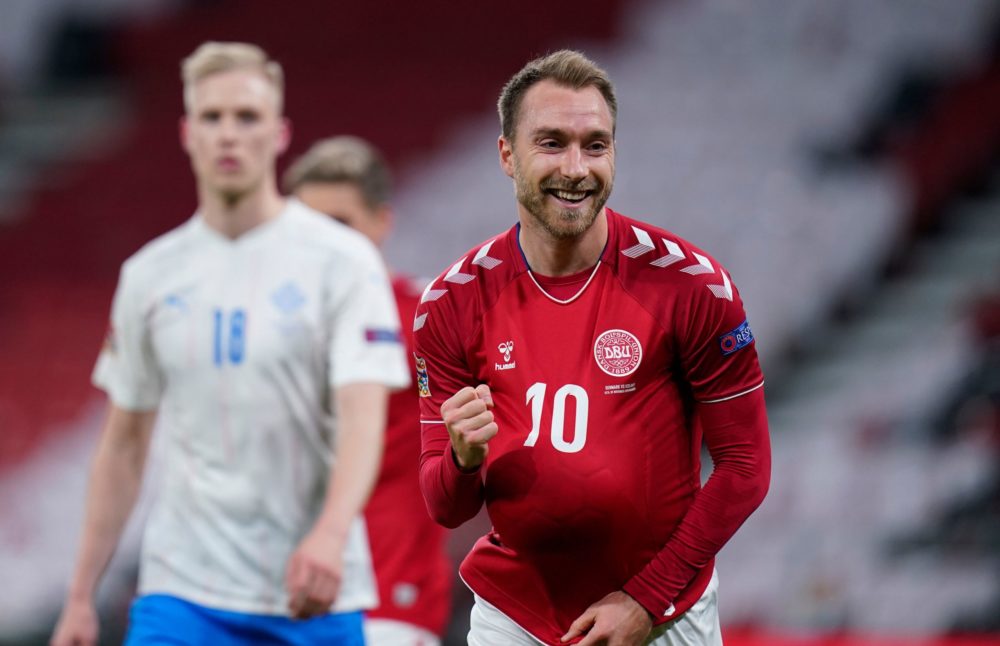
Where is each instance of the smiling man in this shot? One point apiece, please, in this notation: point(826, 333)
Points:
point(569, 370)
point(267, 336)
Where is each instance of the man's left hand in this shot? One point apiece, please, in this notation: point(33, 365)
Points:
point(615, 620)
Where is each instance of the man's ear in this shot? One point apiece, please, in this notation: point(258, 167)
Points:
point(506, 150)
point(284, 135)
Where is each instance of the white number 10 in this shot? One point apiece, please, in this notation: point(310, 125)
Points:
point(536, 397)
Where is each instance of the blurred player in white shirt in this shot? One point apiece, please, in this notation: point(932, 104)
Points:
point(267, 338)
point(346, 178)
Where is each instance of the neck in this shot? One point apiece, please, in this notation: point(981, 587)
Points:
point(234, 216)
point(551, 256)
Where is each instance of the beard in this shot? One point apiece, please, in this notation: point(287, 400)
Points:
point(559, 222)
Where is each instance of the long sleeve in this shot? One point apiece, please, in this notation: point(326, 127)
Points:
point(451, 495)
point(736, 434)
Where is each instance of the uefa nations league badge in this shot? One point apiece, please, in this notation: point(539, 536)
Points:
point(617, 352)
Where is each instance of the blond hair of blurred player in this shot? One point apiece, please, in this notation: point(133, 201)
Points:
point(347, 178)
point(266, 338)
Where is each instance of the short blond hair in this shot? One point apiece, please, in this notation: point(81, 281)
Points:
point(344, 159)
point(214, 57)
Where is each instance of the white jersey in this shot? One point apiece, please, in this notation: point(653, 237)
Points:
point(238, 343)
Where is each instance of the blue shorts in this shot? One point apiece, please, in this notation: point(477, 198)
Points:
point(163, 619)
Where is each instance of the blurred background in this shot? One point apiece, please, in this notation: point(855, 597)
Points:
point(841, 157)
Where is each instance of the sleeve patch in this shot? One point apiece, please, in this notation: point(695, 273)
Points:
point(382, 335)
point(739, 338)
point(423, 381)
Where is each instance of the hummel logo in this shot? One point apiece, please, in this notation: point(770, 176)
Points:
point(506, 348)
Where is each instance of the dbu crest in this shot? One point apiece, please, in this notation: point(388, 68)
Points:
point(617, 353)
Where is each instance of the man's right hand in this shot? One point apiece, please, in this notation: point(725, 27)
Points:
point(469, 419)
point(77, 625)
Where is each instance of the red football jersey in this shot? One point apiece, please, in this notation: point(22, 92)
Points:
point(595, 379)
point(412, 568)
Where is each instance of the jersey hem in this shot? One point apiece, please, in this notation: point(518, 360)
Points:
point(254, 607)
point(375, 615)
point(495, 607)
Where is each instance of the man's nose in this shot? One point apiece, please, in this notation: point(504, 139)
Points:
point(573, 166)
point(227, 129)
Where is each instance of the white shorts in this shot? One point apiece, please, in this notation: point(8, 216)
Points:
point(387, 632)
point(699, 626)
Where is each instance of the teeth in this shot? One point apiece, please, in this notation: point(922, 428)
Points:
point(572, 196)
